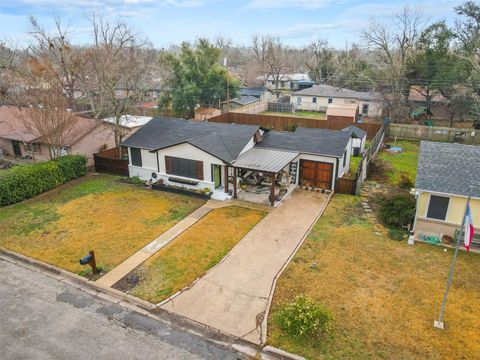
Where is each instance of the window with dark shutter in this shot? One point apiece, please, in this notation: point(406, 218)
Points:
point(168, 164)
point(136, 155)
point(437, 207)
point(200, 170)
point(184, 167)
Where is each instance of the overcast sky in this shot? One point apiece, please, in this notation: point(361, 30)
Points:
point(166, 22)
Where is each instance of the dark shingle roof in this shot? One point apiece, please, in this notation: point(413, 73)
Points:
point(449, 168)
point(309, 141)
point(359, 133)
point(245, 100)
point(224, 141)
point(332, 91)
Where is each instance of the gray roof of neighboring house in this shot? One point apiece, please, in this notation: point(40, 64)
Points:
point(309, 141)
point(253, 91)
point(267, 160)
point(359, 133)
point(448, 168)
point(224, 141)
point(335, 92)
point(245, 100)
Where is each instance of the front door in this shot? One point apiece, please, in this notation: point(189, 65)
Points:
point(16, 149)
point(217, 175)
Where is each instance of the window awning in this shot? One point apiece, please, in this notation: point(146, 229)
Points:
point(266, 160)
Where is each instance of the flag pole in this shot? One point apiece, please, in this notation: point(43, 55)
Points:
point(439, 323)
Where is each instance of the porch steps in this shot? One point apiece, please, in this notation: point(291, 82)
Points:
point(220, 196)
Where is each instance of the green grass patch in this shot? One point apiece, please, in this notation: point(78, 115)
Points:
point(91, 213)
point(384, 294)
point(306, 114)
point(196, 250)
point(404, 162)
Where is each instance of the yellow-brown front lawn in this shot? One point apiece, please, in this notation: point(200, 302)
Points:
point(384, 294)
point(195, 251)
point(95, 212)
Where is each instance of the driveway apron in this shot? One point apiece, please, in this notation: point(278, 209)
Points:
point(233, 297)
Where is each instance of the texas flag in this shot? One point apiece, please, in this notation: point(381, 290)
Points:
point(469, 231)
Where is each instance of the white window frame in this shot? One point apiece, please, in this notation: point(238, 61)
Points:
point(363, 107)
point(428, 206)
point(299, 100)
point(32, 147)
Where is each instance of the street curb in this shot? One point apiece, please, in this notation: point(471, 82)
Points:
point(143, 307)
point(270, 350)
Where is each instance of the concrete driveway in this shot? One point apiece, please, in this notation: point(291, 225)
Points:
point(233, 296)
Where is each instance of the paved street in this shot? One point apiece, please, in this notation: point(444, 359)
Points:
point(42, 318)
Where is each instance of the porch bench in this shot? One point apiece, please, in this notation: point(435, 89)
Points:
point(475, 240)
point(183, 181)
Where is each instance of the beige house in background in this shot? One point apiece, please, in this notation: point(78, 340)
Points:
point(319, 97)
point(202, 114)
point(86, 137)
point(445, 174)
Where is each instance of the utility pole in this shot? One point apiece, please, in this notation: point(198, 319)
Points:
point(225, 63)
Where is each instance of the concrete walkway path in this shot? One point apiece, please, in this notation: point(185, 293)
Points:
point(116, 274)
point(234, 295)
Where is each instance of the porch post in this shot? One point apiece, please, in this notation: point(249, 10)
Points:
point(234, 182)
point(226, 179)
point(272, 193)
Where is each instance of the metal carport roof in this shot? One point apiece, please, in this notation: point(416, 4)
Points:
point(267, 160)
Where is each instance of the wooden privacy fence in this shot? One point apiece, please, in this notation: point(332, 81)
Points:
point(283, 123)
point(108, 162)
point(435, 133)
point(346, 186)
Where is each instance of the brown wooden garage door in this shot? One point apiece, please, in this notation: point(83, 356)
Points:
point(315, 173)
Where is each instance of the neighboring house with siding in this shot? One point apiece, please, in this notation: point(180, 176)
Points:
point(445, 174)
point(319, 97)
point(289, 82)
point(220, 156)
point(86, 137)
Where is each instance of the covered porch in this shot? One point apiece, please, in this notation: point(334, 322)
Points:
point(264, 176)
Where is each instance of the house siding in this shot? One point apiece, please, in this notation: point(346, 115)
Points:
point(453, 221)
point(186, 151)
point(374, 107)
point(100, 137)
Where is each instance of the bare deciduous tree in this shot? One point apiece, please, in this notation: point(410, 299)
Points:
point(319, 60)
point(270, 55)
point(116, 72)
point(47, 118)
point(57, 58)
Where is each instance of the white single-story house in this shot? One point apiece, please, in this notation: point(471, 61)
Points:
point(359, 139)
point(446, 175)
point(290, 82)
point(237, 160)
point(318, 97)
